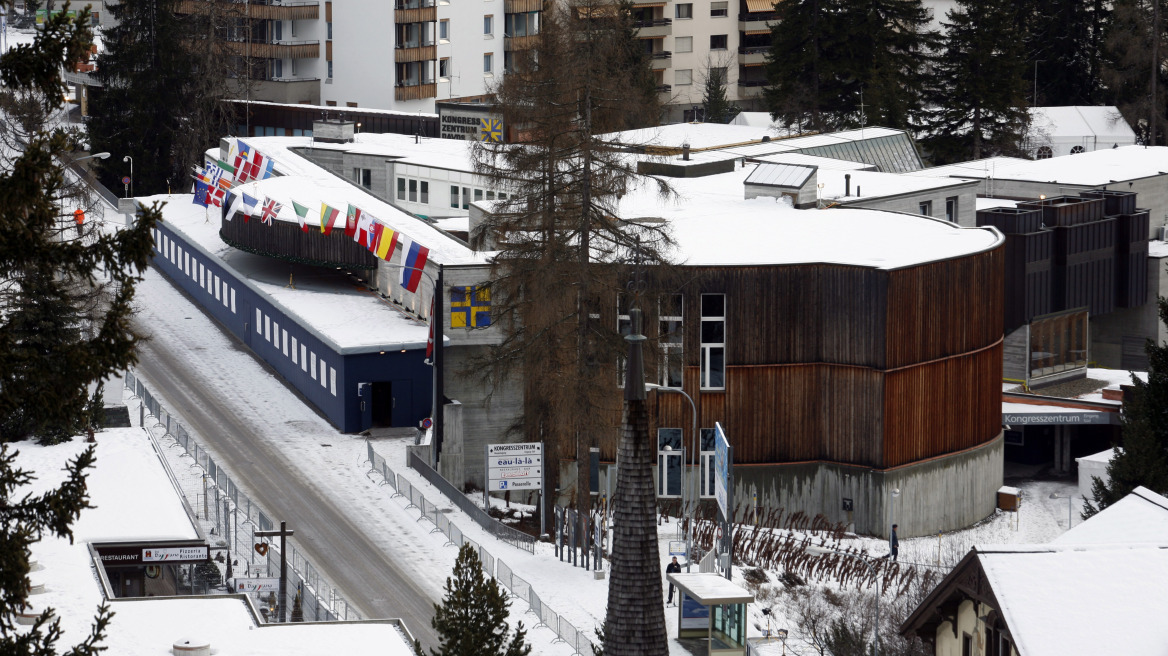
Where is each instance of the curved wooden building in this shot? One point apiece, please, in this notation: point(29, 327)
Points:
point(843, 381)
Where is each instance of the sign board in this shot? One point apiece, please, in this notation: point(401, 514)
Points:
point(723, 460)
point(469, 122)
point(693, 614)
point(140, 554)
point(255, 585)
point(514, 466)
point(676, 548)
point(175, 553)
point(125, 179)
point(1061, 418)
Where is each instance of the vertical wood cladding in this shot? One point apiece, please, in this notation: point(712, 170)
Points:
point(286, 240)
point(847, 364)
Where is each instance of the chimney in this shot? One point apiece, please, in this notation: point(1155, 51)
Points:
point(857, 190)
point(848, 184)
point(685, 151)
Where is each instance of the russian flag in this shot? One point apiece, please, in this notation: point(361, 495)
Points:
point(414, 256)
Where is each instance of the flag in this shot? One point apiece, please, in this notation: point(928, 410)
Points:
point(470, 307)
point(364, 229)
point(430, 339)
point(231, 206)
point(351, 219)
point(271, 211)
point(374, 236)
point(228, 171)
point(201, 190)
point(258, 168)
point(414, 256)
point(241, 157)
point(328, 218)
point(301, 215)
point(249, 205)
point(386, 242)
point(216, 176)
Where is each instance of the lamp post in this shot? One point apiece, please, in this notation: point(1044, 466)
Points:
point(782, 633)
point(823, 551)
point(684, 484)
point(129, 159)
point(1070, 504)
point(892, 511)
point(93, 156)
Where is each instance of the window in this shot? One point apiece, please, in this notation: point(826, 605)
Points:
point(295, 347)
point(713, 341)
point(951, 209)
point(278, 68)
point(363, 177)
point(1044, 152)
point(522, 24)
point(413, 191)
point(401, 188)
point(684, 10)
point(670, 339)
point(478, 194)
point(444, 67)
point(488, 63)
point(444, 29)
point(424, 196)
point(278, 30)
point(488, 25)
point(330, 73)
point(259, 320)
point(284, 334)
point(292, 24)
point(718, 8)
point(706, 461)
point(454, 196)
point(294, 67)
point(329, 27)
point(1076, 150)
point(966, 645)
point(683, 43)
point(926, 208)
point(718, 42)
point(668, 462)
point(465, 198)
point(330, 103)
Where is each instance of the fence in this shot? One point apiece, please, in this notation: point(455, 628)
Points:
point(546, 618)
point(235, 519)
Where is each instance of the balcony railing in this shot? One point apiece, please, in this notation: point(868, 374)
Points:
point(420, 53)
point(522, 6)
point(415, 91)
point(511, 43)
point(413, 4)
point(285, 11)
point(664, 88)
point(752, 83)
point(415, 14)
point(280, 50)
point(660, 60)
point(655, 22)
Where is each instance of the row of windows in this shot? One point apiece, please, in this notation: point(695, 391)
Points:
point(717, 10)
point(190, 266)
point(926, 208)
point(670, 464)
point(463, 199)
point(670, 340)
point(270, 330)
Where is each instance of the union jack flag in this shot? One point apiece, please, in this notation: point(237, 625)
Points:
point(271, 209)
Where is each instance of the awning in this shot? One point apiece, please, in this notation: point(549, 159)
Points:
point(760, 6)
point(757, 32)
point(602, 11)
point(661, 36)
point(641, 5)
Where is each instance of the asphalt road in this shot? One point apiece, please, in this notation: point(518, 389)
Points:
point(368, 576)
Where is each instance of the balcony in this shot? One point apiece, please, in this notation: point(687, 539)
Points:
point(750, 88)
point(415, 14)
point(512, 43)
point(664, 89)
point(414, 54)
point(415, 91)
point(280, 50)
point(522, 6)
point(658, 28)
point(286, 11)
point(760, 23)
point(289, 91)
point(752, 55)
point(660, 61)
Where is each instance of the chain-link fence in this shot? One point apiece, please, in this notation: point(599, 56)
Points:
point(495, 567)
point(235, 517)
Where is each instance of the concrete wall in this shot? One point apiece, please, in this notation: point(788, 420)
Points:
point(942, 494)
point(911, 203)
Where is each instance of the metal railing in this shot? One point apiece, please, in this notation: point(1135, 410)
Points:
point(518, 588)
point(235, 518)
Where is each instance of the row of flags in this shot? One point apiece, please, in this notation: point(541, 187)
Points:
point(243, 164)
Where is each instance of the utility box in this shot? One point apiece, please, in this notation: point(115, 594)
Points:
point(1009, 498)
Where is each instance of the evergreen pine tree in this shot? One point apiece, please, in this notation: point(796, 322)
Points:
point(1063, 41)
point(804, 88)
point(717, 108)
point(979, 86)
point(163, 78)
point(472, 620)
point(1127, 72)
point(1143, 460)
point(891, 49)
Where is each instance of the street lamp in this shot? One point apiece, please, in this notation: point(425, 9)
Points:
point(95, 155)
point(892, 511)
point(782, 633)
point(823, 551)
point(129, 159)
point(684, 483)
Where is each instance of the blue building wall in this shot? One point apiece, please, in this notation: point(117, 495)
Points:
point(330, 378)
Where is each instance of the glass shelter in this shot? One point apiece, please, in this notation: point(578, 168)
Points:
point(714, 608)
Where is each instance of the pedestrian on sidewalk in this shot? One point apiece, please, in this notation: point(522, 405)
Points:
point(672, 568)
point(893, 544)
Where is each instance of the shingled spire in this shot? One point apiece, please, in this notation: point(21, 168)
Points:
point(635, 623)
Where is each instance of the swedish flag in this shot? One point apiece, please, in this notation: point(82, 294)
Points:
point(491, 129)
point(470, 307)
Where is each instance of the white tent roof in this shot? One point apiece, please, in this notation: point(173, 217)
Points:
point(1104, 126)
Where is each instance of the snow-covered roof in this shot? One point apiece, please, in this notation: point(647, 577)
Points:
point(334, 111)
point(710, 589)
point(754, 119)
point(1139, 518)
point(699, 136)
point(133, 499)
point(800, 159)
point(1090, 169)
point(1075, 600)
point(1103, 125)
point(991, 203)
point(780, 175)
point(327, 308)
point(867, 185)
point(713, 224)
point(451, 154)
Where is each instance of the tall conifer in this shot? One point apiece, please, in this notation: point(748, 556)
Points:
point(472, 620)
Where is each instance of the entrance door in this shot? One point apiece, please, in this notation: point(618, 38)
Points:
point(365, 397)
point(403, 403)
point(381, 405)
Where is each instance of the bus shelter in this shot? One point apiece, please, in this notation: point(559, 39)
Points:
point(712, 607)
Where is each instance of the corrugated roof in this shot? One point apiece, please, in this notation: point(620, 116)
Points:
point(780, 175)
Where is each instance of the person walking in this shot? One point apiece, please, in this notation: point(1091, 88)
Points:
point(672, 568)
point(893, 544)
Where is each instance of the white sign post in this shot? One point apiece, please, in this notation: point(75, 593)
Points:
point(514, 467)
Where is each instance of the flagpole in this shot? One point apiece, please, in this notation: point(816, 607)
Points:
point(436, 319)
